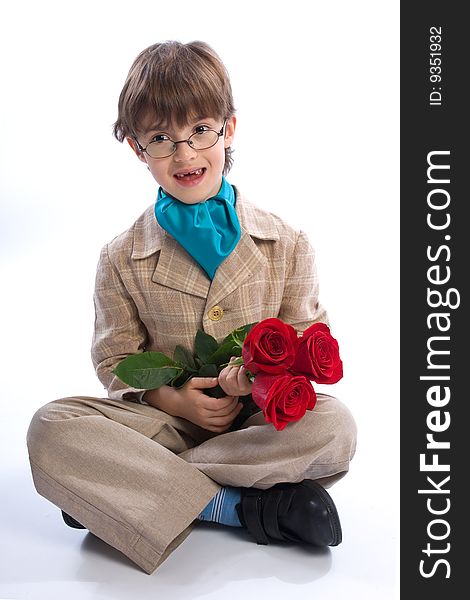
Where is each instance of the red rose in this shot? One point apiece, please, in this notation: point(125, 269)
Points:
point(270, 346)
point(318, 355)
point(283, 398)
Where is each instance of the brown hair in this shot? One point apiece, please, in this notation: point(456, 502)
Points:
point(176, 82)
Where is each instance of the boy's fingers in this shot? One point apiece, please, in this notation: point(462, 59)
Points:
point(243, 379)
point(232, 408)
point(223, 374)
point(231, 374)
point(222, 422)
point(220, 404)
point(226, 418)
point(203, 382)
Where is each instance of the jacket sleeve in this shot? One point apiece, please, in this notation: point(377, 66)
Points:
point(118, 330)
point(300, 301)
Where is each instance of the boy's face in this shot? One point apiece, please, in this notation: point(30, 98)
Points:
point(189, 175)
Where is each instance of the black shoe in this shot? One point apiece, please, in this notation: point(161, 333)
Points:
point(71, 521)
point(297, 512)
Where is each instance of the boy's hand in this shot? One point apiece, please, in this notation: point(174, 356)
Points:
point(233, 380)
point(214, 414)
point(190, 402)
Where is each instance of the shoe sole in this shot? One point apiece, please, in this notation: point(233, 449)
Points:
point(330, 507)
point(71, 522)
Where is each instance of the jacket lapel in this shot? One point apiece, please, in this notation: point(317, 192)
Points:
point(246, 259)
point(178, 270)
point(175, 268)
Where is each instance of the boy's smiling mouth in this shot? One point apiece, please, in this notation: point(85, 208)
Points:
point(190, 177)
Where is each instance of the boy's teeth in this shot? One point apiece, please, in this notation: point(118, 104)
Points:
point(196, 172)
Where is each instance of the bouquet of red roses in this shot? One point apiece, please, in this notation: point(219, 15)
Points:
point(284, 365)
point(280, 364)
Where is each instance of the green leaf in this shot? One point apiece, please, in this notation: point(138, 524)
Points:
point(182, 356)
point(238, 335)
point(205, 345)
point(231, 345)
point(209, 370)
point(225, 351)
point(147, 370)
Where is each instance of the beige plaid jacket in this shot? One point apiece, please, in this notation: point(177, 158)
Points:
point(151, 295)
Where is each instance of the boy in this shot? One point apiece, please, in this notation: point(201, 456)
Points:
point(140, 467)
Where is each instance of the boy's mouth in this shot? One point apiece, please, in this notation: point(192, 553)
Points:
point(187, 176)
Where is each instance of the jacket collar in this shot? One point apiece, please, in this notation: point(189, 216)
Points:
point(177, 270)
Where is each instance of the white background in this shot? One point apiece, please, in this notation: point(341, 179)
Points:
point(327, 73)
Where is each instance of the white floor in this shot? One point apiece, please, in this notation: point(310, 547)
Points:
point(43, 559)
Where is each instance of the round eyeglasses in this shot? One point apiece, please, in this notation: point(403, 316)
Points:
point(162, 146)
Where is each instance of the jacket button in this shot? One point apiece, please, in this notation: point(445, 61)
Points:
point(216, 313)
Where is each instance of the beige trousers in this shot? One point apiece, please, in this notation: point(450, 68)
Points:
point(137, 478)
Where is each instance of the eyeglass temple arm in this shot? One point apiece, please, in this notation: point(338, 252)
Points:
point(141, 148)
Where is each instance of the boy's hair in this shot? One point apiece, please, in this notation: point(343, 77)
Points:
point(176, 82)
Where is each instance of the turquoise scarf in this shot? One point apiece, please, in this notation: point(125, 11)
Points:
point(208, 231)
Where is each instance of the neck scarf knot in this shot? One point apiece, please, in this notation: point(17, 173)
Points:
point(208, 231)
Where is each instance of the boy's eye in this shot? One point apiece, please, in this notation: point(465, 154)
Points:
point(161, 137)
point(201, 129)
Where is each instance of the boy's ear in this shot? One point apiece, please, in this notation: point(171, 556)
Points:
point(230, 131)
point(133, 144)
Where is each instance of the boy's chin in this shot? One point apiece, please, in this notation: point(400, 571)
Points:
point(182, 197)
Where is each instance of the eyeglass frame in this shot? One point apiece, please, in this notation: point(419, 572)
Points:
point(219, 134)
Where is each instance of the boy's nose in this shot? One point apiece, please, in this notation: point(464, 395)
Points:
point(184, 151)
